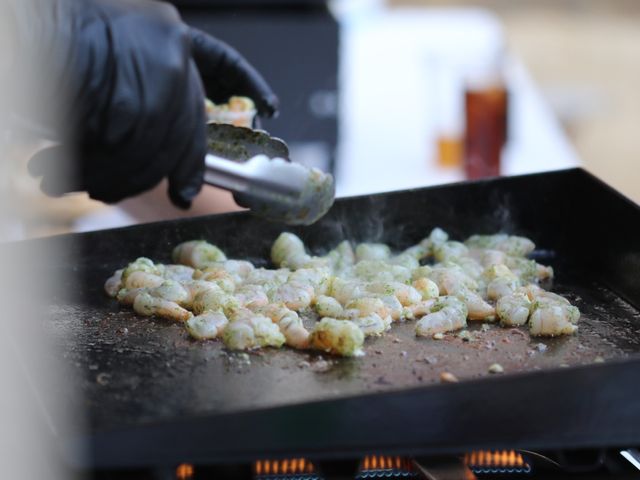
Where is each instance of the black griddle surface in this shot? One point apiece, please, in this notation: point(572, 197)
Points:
point(144, 383)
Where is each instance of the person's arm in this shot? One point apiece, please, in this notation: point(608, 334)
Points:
point(133, 78)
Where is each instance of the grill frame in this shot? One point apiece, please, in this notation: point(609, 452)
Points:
point(579, 407)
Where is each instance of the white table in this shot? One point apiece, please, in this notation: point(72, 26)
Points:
point(388, 102)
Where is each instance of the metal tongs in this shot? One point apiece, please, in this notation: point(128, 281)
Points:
point(256, 168)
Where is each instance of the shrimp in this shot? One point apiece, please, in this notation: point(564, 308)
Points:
point(394, 308)
point(510, 244)
point(263, 276)
point(365, 306)
point(147, 305)
point(247, 330)
point(502, 286)
point(528, 270)
point(477, 308)
point(172, 291)
point(447, 314)
point(373, 324)
point(427, 288)
point(422, 271)
point(214, 300)
point(218, 275)
point(238, 268)
point(436, 238)
point(420, 309)
point(488, 257)
point(179, 273)
point(196, 287)
point(208, 325)
point(197, 254)
point(339, 337)
point(553, 319)
point(126, 296)
point(295, 296)
point(346, 290)
point(318, 278)
point(342, 257)
point(405, 260)
point(142, 264)
point(450, 250)
point(449, 279)
point(114, 283)
point(372, 251)
point(380, 271)
point(551, 314)
point(290, 324)
point(251, 296)
point(406, 294)
point(513, 309)
point(140, 279)
point(288, 251)
point(327, 307)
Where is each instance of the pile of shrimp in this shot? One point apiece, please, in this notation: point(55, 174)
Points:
point(356, 292)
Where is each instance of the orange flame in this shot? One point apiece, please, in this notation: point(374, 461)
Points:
point(185, 471)
point(287, 466)
point(494, 459)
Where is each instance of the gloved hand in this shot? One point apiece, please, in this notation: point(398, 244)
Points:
point(135, 74)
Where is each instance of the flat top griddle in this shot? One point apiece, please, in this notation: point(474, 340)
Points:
point(138, 370)
point(145, 383)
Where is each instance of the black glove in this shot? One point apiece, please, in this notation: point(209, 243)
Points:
point(134, 72)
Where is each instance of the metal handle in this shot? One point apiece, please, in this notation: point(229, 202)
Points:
point(253, 177)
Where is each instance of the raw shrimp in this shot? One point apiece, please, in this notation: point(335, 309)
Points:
point(340, 337)
point(447, 314)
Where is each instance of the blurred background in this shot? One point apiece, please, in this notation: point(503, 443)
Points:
point(374, 91)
